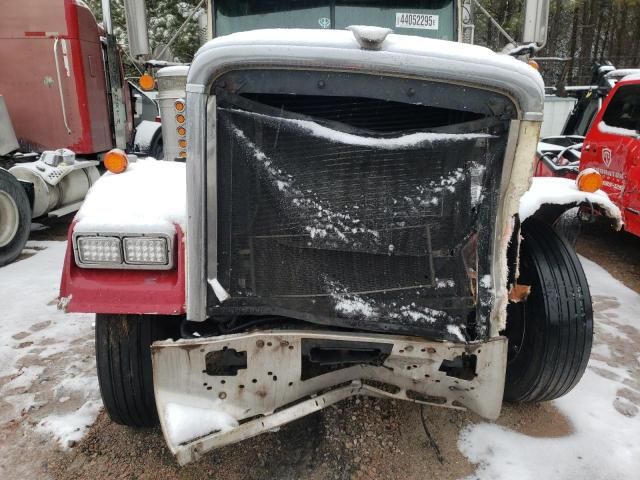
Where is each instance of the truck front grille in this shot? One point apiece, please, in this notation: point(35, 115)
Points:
point(335, 215)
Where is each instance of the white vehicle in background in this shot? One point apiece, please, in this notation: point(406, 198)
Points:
point(352, 224)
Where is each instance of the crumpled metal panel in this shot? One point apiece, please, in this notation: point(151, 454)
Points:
point(269, 392)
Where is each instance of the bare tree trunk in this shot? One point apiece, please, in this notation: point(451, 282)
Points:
point(573, 44)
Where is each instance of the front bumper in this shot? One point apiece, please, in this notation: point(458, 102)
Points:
point(254, 382)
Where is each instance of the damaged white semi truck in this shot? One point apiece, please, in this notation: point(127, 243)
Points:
point(349, 220)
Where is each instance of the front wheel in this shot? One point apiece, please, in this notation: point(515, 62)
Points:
point(550, 333)
point(123, 359)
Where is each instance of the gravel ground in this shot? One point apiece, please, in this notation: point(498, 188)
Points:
point(618, 252)
point(356, 439)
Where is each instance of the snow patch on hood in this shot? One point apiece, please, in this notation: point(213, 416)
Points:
point(149, 197)
point(562, 191)
point(388, 143)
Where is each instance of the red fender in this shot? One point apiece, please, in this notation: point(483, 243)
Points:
point(123, 291)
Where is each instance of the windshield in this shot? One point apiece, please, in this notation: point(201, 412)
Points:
point(427, 18)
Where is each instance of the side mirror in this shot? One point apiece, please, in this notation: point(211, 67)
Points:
point(536, 22)
point(136, 18)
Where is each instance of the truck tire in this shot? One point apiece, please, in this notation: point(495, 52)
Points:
point(550, 333)
point(123, 359)
point(569, 225)
point(157, 149)
point(15, 218)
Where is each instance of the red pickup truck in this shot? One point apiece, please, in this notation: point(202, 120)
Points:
point(611, 147)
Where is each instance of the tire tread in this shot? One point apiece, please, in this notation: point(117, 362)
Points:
point(125, 373)
point(567, 331)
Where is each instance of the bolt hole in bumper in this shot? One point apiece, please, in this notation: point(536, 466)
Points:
point(216, 391)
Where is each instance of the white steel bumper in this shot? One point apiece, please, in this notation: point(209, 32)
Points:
point(261, 387)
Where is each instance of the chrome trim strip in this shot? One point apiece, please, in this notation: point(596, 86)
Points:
point(448, 62)
point(196, 248)
point(211, 166)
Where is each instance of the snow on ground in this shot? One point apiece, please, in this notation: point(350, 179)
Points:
point(47, 366)
point(49, 393)
point(603, 409)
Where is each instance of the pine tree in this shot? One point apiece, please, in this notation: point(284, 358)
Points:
point(583, 31)
point(164, 18)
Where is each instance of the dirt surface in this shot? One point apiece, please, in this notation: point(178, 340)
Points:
point(618, 252)
point(356, 439)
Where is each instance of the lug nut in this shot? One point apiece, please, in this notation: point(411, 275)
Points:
point(260, 343)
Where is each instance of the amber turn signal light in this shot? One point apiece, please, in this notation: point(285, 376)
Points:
point(179, 106)
point(182, 131)
point(182, 143)
point(180, 118)
point(116, 161)
point(589, 180)
point(147, 82)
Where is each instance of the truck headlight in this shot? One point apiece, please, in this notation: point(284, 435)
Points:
point(107, 250)
point(146, 250)
point(99, 250)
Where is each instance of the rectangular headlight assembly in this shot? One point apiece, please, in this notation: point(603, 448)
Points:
point(141, 252)
point(145, 251)
point(99, 250)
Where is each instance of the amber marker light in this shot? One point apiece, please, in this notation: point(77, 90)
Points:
point(589, 180)
point(180, 118)
point(182, 131)
point(179, 106)
point(182, 143)
point(147, 82)
point(533, 64)
point(116, 161)
point(182, 154)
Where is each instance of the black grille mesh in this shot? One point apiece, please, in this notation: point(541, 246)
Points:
point(331, 224)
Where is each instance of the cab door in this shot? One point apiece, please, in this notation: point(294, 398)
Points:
point(612, 142)
point(631, 196)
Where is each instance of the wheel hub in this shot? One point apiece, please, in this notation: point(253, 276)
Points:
point(9, 218)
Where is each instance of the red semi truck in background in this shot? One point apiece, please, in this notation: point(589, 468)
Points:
point(611, 145)
point(64, 93)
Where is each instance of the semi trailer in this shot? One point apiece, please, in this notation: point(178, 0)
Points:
point(64, 102)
